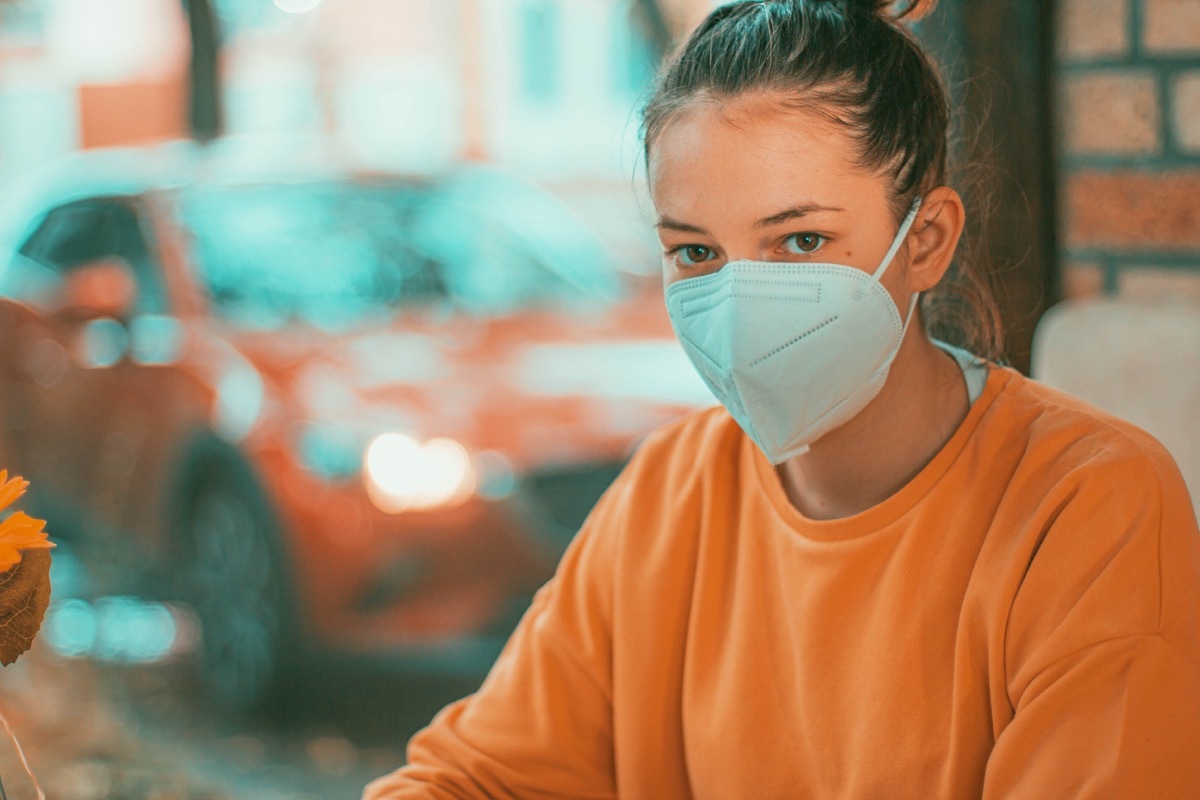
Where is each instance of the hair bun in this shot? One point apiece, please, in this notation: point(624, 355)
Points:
point(895, 10)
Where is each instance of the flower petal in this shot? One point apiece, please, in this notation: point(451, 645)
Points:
point(23, 532)
point(10, 490)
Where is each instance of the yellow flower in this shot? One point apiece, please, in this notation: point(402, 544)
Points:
point(19, 531)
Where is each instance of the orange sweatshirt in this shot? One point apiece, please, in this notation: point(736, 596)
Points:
point(1022, 620)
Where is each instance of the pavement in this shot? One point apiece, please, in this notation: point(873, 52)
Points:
point(100, 731)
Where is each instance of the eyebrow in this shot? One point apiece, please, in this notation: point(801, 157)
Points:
point(795, 212)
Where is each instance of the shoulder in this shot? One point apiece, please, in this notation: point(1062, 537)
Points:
point(698, 440)
point(1063, 437)
point(1099, 496)
point(1078, 486)
point(672, 462)
point(663, 489)
point(1110, 543)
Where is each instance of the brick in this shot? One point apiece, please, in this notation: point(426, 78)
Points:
point(1153, 283)
point(1129, 208)
point(1091, 28)
point(1082, 279)
point(1185, 116)
point(1171, 26)
point(1111, 112)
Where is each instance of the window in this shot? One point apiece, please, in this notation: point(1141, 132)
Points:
point(632, 55)
point(85, 231)
point(540, 42)
point(346, 254)
point(334, 254)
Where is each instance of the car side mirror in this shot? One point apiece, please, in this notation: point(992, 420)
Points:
point(105, 287)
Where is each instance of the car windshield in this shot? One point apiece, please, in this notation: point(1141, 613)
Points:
point(342, 254)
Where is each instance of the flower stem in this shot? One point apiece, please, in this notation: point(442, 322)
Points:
point(24, 763)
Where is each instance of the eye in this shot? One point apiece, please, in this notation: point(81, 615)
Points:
point(802, 243)
point(690, 255)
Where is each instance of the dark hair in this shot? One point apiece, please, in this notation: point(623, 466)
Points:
point(855, 64)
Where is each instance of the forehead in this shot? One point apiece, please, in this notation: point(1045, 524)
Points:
point(754, 148)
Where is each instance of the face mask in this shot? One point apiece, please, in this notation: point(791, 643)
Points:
point(792, 350)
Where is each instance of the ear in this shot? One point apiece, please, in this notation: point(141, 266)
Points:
point(934, 238)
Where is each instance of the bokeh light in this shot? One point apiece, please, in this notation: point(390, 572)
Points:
point(403, 474)
point(115, 629)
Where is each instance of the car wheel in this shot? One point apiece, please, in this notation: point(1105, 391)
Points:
point(237, 586)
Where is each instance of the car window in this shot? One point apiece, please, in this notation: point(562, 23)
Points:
point(505, 245)
point(491, 266)
point(330, 254)
point(81, 232)
point(340, 254)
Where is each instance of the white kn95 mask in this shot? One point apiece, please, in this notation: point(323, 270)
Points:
point(792, 350)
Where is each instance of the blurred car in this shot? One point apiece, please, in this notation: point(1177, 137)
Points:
point(332, 410)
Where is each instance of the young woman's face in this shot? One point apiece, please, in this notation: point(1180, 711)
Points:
point(752, 180)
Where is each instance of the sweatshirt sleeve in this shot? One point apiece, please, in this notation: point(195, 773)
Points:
point(1102, 650)
point(540, 726)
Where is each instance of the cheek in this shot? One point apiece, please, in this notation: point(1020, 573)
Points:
point(673, 274)
point(895, 281)
point(669, 274)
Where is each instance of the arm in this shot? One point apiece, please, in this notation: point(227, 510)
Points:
point(541, 724)
point(1103, 646)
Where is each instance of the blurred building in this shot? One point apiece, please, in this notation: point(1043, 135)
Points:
point(75, 73)
point(549, 87)
point(546, 85)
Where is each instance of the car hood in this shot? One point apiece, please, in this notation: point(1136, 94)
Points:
point(542, 387)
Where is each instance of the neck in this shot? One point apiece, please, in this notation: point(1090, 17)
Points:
point(871, 457)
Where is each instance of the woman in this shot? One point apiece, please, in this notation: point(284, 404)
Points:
point(886, 568)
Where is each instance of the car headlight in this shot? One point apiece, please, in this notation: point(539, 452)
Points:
point(402, 474)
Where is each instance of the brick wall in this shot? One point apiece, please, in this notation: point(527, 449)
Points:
point(1129, 146)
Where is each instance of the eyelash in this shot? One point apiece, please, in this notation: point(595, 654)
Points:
point(821, 241)
point(674, 252)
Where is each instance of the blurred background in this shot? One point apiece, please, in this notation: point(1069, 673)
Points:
point(323, 323)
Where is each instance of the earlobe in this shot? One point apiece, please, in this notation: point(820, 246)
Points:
point(938, 228)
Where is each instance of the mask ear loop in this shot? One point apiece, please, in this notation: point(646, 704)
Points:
point(898, 242)
point(24, 763)
point(890, 256)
